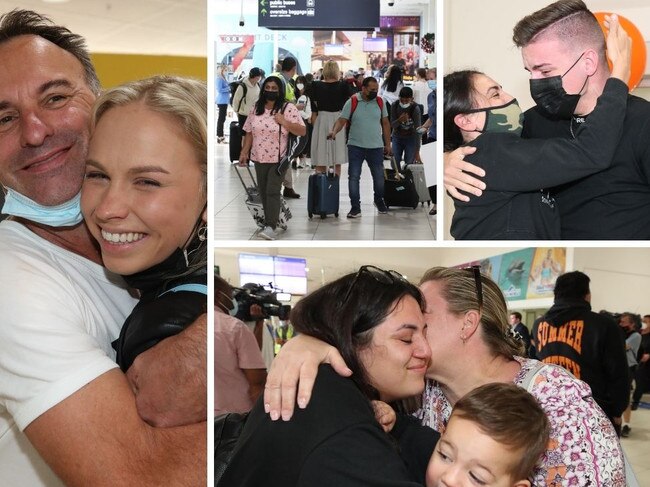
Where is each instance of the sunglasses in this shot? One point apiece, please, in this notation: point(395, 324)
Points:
point(476, 271)
point(380, 275)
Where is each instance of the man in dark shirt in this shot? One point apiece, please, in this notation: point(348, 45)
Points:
point(518, 327)
point(587, 344)
point(564, 50)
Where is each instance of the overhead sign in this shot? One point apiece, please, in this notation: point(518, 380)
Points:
point(318, 14)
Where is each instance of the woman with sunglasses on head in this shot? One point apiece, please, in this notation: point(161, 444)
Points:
point(471, 345)
point(480, 114)
point(266, 142)
point(374, 318)
point(144, 200)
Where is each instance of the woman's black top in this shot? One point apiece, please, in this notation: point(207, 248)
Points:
point(329, 97)
point(160, 313)
point(335, 441)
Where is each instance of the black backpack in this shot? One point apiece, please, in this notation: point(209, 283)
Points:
point(233, 89)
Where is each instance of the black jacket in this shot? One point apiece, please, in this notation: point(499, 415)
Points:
point(159, 314)
point(514, 206)
point(613, 204)
point(590, 346)
point(335, 441)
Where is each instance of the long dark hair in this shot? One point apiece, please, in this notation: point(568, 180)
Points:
point(260, 105)
point(326, 314)
point(458, 90)
point(394, 78)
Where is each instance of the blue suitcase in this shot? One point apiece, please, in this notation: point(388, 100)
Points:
point(323, 189)
point(323, 195)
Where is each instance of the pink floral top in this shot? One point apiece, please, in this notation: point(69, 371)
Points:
point(266, 134)
point(583, 450)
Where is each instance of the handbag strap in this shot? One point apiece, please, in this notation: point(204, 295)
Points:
point(280, 134)
point(192, 287)
point(527, 382)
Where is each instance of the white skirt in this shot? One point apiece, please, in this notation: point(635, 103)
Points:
point(323, 126)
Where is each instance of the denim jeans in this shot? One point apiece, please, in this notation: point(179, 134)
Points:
point(375, 160)
point(404, 148)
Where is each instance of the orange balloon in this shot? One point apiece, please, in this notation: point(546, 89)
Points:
point(638, 47)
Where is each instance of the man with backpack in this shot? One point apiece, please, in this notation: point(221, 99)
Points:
point(405, 118)
point(245, 93)
point(368, 139)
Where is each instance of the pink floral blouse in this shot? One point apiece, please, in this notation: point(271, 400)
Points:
point(583, 450)
point(266, 134)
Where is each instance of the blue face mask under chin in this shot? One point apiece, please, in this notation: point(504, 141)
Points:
point(64, 215)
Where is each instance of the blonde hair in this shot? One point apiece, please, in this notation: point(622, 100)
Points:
point(460, 293)
point(331, 70)
point(184, 99)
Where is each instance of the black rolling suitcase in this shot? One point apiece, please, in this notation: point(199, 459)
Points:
point(399, 188)
point(235, 141)
point(323, 190)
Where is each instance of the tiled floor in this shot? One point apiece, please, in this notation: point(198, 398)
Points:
point(232, 221)
point(637, 445)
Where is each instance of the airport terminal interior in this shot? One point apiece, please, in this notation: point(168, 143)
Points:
point(204, 39)
point(619, 280)
point(403, 24)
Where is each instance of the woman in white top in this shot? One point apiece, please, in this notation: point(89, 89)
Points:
point(303, 103)
point(421, 89)
point(392, 84)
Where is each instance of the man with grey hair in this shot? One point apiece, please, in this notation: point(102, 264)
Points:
point(563, 48)
point(67, 413)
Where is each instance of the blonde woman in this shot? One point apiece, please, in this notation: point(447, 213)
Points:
point(328, 97)
point(144, 201)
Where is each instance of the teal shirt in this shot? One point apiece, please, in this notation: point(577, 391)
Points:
point(365, 128)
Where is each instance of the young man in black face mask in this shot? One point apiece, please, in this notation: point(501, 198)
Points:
point(563, 49)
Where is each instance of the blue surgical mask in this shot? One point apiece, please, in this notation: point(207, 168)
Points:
point(235, 304)
point(64, 215)
point(432, 84)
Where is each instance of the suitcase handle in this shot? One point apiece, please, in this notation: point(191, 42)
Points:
point(250, 173)
point(330, 144)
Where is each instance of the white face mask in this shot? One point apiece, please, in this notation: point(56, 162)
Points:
point(644, 325)
point(300, 86)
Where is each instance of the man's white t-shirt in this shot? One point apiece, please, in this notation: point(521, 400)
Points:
point(59, 313)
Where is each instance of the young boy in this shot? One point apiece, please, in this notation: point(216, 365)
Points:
point(495, 436)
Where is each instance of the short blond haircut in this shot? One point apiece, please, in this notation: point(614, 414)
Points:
point(331, 70)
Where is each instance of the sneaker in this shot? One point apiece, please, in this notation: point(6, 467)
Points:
point(625, 431)
point(220, 140)
point(354, 214)
point(381, 207)
point(635, 406)
point(267, 234)
point(290, 193)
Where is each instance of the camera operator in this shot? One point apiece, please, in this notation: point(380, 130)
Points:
point(239, 369)
point(255, 305)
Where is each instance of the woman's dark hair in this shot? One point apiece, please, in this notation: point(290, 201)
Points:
point(260, 105)
point(458, 90)
point(303, 80)
point(393, 79)
point(326, 314)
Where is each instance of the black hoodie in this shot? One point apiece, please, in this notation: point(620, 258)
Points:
point(588, 345)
